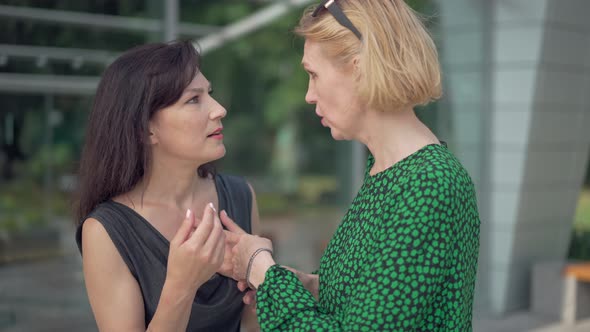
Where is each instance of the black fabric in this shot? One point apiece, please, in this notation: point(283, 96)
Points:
point(218, 303)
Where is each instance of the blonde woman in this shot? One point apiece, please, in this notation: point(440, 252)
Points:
point(405, 255)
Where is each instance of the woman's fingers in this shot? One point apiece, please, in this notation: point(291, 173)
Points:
point(230, 224)
point(220, 248)
point(201, 234)
point(185, 229)
point(216, 233)
point(242, 286)
point(231, 238)
point(214, 244)
point(249, 297)
point(216, 240)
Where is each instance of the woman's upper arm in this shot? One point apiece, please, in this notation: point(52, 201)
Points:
point(255, 219)
point(113, 292)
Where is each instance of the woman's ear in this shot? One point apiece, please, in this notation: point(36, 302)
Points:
point(356, 68)
point(152, 136)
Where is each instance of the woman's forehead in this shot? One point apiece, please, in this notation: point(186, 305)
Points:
point(199, 80)
point(311, 54)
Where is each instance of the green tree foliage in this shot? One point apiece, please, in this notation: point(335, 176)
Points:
point(258, 78)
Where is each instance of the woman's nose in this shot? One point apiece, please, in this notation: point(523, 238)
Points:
point(310, 96)
point(219, 112)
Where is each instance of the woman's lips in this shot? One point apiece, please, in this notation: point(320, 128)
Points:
point(217, 134)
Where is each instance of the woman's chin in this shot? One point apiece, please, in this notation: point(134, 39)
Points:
point(221, 153)
point(337, 135)
point(217, 154)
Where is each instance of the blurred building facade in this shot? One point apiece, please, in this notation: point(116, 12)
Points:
point(517, 86)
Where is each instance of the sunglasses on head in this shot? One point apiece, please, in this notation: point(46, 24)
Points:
point(338, 14)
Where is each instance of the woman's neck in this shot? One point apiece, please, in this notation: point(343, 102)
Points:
point(393, 135)
point(169, 184)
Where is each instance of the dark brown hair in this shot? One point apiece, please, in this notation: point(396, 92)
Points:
point(139, 83)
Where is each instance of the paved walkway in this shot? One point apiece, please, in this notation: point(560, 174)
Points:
point(44, 296)
point(527, 322)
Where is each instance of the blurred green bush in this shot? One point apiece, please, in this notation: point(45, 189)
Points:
point(29, 200)
point(580, 242)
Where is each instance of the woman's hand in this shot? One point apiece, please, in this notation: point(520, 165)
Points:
point(243, 246)
point(227, 268)
point(196, 255)
point(249, 297)
point(311, 282)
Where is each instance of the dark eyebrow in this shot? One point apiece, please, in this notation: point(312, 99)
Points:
point(197, 90)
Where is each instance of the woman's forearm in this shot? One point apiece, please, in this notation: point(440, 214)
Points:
point(174, 309)
point(262, 262)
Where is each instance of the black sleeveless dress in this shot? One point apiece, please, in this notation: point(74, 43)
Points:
point(218, 303)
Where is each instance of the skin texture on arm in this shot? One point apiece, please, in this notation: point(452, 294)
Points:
point(114, 294)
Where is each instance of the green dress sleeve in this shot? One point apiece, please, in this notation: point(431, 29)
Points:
point(410, 256)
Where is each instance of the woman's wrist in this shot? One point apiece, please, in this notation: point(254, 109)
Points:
point(262, 262)
point(177, 294)
point(174, 308)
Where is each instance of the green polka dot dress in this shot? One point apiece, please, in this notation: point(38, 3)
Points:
point(403, 259)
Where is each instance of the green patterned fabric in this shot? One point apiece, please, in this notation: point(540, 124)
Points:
point(403, 259)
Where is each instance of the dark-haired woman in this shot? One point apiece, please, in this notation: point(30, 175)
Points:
point(150, 262)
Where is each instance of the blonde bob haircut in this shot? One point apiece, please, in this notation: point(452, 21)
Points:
point(398, 62)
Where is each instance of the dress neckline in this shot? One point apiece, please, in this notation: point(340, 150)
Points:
point(401, 162)
point(220, 203)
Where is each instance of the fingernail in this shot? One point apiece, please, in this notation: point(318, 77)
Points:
point(212, 207)
point(188, 213)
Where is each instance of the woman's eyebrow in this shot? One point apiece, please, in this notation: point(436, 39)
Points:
point(197, 90)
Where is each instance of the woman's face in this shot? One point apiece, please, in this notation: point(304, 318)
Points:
point(333, 90)
point(190, 129)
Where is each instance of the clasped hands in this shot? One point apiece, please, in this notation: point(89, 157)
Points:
point(240, 248)
point(229, 252)
point(247, 257)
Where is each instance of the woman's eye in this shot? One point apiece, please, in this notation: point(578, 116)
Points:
point(193, 100)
